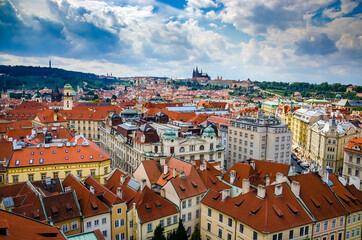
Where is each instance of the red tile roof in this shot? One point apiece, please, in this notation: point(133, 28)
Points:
point(89, 204)
point(6, 149)
point(271, 214)
point(243, 171)
point(93, 113)
point(312, 190)
point(49, 116)
point(58, 155)
point(20, 227)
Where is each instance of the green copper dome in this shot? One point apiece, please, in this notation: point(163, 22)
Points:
point(169, 134)
point(68, 86)
point(208, 132)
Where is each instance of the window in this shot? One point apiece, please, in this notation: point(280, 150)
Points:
point(31, 177)
point(340, 221)
point(188, 231)
point(104, 233)
point(354, 218)
point(317, 227)
point(79, 173)
point(55, 175)
point(182, 149)
point(278, 236)
point(189, 216)
point(241, 228)
point(340, 235)
point(43, 176)
point(183, 217)
point(229, 236)
point(219, 233)
point(359, 217)
point(65, 228)
point(263, 138)
point(347, 235)
point(209, 227)
point(183, 204)
point(304, 230)
point(333, 223)
point(209, 212)
point(198, 202)
point(189, 203)
point(131, 224)
point(162, 223)
point(230, 222)
point(352, 233)
point(119, 210)
point(197, 213)
point(116, 223)
point(105, 170)
point(93, 172)
point(255, 235)
point(15, 179)
point(291, 234)
point(96, 222)
point(149, 227)
point(349, 220)
point(175, 219)
point(104, 221)
point(358, 231)
point(89, 224)
point(325, 225)
point(74, 225)
point(168, 221)
point(220, 217)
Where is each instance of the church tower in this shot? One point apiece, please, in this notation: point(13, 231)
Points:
point(68, 97)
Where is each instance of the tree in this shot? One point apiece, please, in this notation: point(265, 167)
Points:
point(196, 235)
point(180, 233)
point(158, 233)
point(114, 97)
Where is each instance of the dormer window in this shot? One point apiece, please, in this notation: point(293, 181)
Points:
point(41, 160)
point(81, 157)
point(32, 153)
point(53, 152)
point(91, 156)
point(66, 151)
point(78, 150)
point(66, 158)
point(41, 153)
point(101, 156)
point(31, 161)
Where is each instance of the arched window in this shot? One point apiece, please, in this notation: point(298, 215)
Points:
point(182, 149)
point(202, 147)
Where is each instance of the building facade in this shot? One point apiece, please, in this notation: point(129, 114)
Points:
point(352, 166)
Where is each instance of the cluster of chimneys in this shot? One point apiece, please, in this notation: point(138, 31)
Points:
point(174, 171)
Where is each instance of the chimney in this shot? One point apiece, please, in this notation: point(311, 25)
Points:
point(232, 176)
point(279, 177)
point(355, 181)
point(296, 188)
point(324, 175)
point(261, 192)
point(119, 192)
point(143, 184)
point(91, 189)
point(224, 194)
point(246, 186)
point(252, 163)
point(55, 117)
point(182, 174)
point(267, 180)
point(162, 161)
point(174, 172)
point(163, 193)
point(123, 178)
point(343, 180)
point(203, 166)
point(165, 169)
point(278, 190)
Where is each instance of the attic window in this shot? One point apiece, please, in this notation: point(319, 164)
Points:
point(213, 182)
point(54, 152)
point(148, 207)
point(41, 160)
point(91, 156)
point(277, 211)
point(41, 153)
point(164, 177)
point(32, 153)
point(31, 161)
point(66, 158)
point(17, 162)
point(194, 184)
point(66, 151)
point(78, 150)
point(216, 197)
point(292, 208)
point(101, 156)
point(239, 203)
point(315, 202)
point(329, 200)
point(158, 204)
point(54, 210)
point(182, 188)
point(94, 206)
point(69, 207)
point(255, 209)
point(81, 157)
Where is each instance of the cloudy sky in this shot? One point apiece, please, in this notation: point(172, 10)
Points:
point(264, 40)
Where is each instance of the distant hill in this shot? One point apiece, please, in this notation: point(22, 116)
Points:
point(31, 77)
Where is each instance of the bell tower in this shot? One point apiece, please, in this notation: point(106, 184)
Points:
point(68, 97)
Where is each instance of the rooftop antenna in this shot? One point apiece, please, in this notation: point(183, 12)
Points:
point(50, 63)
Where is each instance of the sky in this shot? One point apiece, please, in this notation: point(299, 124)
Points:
point(264, 40)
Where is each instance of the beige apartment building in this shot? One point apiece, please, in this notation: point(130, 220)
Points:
point(263, 138)
point(326, 142)
point(352, 166)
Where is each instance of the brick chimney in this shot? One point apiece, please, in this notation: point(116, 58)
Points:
point(162, 161)
point(232, 176)
point(278, 190)
point(279, 177)
point(119, 192)
point(261, 192)
point(246, 185)
point(165, 169)
point(122, 179)
point(296, 188)
point(224, 194)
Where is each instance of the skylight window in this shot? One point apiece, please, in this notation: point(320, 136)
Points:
point(31, 161)
point(53, 152)
point(101, 156)
point(78, 150)
point(66, 158)
point(91, 156)
point(66, 151)
point(81, 157)
point(41, 160)
point(17, 162)
point(32, 153)
point(41, 153)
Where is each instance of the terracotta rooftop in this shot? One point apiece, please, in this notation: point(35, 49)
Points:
point(49, 116)
point(20, 227)
point(318, 197)
point(269, 214)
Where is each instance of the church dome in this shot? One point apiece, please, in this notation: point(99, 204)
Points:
point(208, 132)
point(68, 86)
point(169, 134)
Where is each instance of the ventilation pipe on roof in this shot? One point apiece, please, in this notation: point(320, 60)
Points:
point(143, 184)
point(232, 176)
point(279, 177)
point(278, 191)
point(225, 193)
point(261, 192)
point(246, 186)
point(91, 189)
point(296, 188)
point(162, 161)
